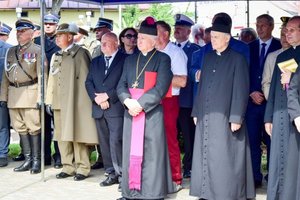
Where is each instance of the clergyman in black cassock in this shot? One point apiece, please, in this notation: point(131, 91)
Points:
point(221, 167)
point(156, 181)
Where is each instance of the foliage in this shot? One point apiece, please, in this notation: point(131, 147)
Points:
point(162, 12)
point(131, 15)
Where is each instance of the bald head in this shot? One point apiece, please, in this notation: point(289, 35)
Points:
point(109, 43)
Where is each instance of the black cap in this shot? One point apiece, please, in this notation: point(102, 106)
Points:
point(148, 26)
point(221, 24)
point(104, 23)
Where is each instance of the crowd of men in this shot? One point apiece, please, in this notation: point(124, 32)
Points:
point(134, 93)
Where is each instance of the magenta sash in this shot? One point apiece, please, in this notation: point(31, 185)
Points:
point(136, 144)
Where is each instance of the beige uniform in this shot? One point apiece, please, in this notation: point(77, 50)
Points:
point(66, 93)
point(94, 48)
point(20, 88)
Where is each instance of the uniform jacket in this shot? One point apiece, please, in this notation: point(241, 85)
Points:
point(66, 92)
point(50, 46)
point(3, 48)
point(98, 82)
point(27, 96)
point(186, 93)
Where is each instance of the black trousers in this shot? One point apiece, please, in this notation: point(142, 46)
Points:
point(187, 127)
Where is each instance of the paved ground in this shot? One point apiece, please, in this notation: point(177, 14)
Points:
point(23, 185)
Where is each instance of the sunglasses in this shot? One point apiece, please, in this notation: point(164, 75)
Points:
point(129, 36)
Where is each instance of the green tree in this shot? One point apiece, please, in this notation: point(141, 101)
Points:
point(162, 12)
point(131, 15)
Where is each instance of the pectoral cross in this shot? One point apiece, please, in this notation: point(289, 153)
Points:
point(135, 84)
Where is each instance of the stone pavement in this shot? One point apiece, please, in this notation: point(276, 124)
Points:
point(23, 185)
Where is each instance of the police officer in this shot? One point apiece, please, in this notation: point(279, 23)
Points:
point(4, 116)
point(20, 88)
point(50, 26)
point(103, 26)
point(181, 33)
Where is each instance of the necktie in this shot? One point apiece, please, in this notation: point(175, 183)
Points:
point(107, 58)
point(262, 54)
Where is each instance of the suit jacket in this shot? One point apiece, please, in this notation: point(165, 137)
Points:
point(186, 93)
point(255, 69)
point(98, 82)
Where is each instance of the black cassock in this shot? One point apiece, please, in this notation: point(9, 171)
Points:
point(156, 172)
point(277, 114)
point(221, 163)
point(291, 188)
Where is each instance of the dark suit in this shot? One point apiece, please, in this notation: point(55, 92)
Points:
point(186, 103)
point(255, 113)
point(109, 122)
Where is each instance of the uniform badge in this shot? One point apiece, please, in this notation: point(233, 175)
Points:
point(29, 58)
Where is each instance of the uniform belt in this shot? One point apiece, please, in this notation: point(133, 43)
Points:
point(27, 83)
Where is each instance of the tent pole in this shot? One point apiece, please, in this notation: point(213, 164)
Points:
point(248, 14)
point(42, 103)
point(102, 9)
point(196, 13)
point(120, 18)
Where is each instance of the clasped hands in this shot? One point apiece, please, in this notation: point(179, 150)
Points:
point(101, 100)
point(257, 97)
point(134, 107)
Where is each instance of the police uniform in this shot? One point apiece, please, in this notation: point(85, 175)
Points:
point(50, 49)
point(4, 116)
point(20, 88)
point(186, 98)
point(95, 46)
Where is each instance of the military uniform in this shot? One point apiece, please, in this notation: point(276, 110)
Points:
point(20, 88)
point(74, 126)
point(21, 81)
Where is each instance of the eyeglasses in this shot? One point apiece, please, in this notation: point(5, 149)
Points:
point(129, 36)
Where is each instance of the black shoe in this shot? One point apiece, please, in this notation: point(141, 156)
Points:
point(79, 177)
point(57, 164)
point(187, 174)
point(3, 162)
point(20, 157)
point(97, 165)
point(109, 181)
point(62, 175)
